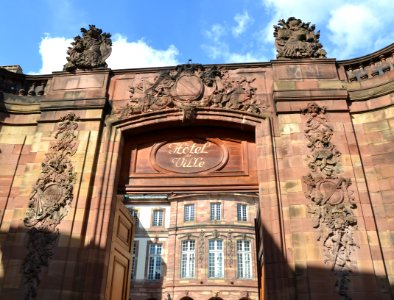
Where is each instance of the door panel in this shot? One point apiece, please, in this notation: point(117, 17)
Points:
point(119, 271)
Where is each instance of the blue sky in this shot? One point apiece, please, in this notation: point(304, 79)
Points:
point(36, 34)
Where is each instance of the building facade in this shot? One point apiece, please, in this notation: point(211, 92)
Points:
point(268, 180)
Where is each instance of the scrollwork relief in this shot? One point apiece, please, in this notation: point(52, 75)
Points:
point(49, 201)
point(331, 201)
point(192, 86)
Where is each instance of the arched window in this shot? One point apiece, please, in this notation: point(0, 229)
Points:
point(186, 298)
point(215, 259)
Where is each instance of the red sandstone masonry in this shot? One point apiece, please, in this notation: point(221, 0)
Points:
point(360, 113)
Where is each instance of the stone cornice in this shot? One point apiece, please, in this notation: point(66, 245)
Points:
point(388, 50)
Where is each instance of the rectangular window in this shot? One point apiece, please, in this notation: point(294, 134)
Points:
point(215, 211)
point(189, 212)
point(134, 214)
point(244, 259)
point(187, 262)
point(157, 217)
point(134, 260)
point(215, 259)
point(242, 214)
point(154, 261)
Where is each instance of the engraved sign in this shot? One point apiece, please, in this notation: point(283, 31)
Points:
point(189, 156)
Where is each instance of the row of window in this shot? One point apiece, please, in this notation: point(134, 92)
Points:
point(157, 217)
point(188, 258)
point(215, 212)
point(189, 213)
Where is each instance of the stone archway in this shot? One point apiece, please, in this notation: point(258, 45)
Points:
point(119, 129)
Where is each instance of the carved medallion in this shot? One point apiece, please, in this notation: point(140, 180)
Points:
point(188, 156)
point(188, 88)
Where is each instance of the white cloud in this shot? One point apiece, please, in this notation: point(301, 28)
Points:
point(348, 34)
point(124, 54)
point(243, 21)
point(352, 26)
point(139, 54)
point(219, 48)
point(233, 57)
point(216, 32)
point(307, 10)
point(53, 53)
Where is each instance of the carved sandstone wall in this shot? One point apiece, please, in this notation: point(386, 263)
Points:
point(330, 237)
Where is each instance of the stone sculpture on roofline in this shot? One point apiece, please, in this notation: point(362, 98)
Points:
point(296, 39)
point(89, 51)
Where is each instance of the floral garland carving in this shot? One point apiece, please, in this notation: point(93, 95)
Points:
point(331, 201)
point(201, 248)
point(49, 201)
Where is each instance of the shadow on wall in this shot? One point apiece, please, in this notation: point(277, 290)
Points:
point(65, 277)
point(306, 279)
point(49, 267)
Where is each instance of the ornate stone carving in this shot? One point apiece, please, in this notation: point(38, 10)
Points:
point(331, 201)
point(296, 39)
point(201, 248)
point(51, 196)
point(89, 51)
point(230, 249)
point(191, 86)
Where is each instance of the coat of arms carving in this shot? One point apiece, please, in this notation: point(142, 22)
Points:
point(296, 39)
point(192, 86)
point(89, 51)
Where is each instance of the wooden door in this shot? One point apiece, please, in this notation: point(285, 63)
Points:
point(119, 270)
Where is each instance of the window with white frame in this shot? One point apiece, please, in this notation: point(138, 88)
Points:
point(244, 260)
point(215, 211)
point(188, 212)
point(215, 259)
point(154, 261)
point(134, 260)
point(188, 256)
point(242, 214)
point(157, 217)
